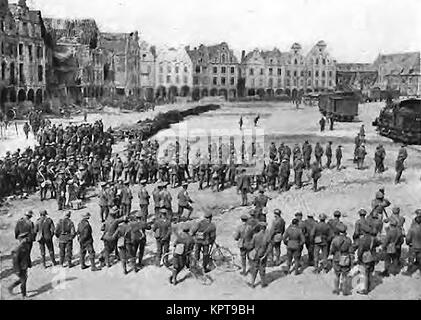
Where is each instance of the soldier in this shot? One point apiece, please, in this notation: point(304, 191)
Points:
point(309, 224)
point(318, 152)
point(320, 235)
point(322, 124)
point(184, 202)
point(400, 221)
point(276, 232)
point(166, 200)
point(393, 236)
point(183, 247)
point(44, 230)
point(338, 157)
point(240, 237)
point(117, 169)
point(307, 150)
point(65, 232)
point(26, 130)
point(110, 244)
point(333, 223)
point(260, 248)
point(360, 155)
point(296, 152)
point(122, 236)
point(26, 226)
point(260, 202)
point(294, 240)
point(21, 259)
point(400, 167)
point(413, 240)
point(126, 199)
point(138, 229)
point(103, 202)
point(328, 154)
point(156, 198)
point(204, 234)
point(378, 209)
point(162, 232)
point(143, 199)
point(298, 172)
point(343, 254)
point(244, 186)
point(284, 173)
point(86, 242)
point(316, 174)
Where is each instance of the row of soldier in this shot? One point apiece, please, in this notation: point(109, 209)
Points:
point(126, 236)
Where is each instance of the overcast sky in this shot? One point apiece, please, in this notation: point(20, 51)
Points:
point(355, 30)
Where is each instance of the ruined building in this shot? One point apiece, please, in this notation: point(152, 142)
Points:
point(23, 62)
point(122, 52)
point(147, 71)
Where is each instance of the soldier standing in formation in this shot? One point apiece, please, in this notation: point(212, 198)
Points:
point(86, 242)
point(183, 247)
point(328, 154)
point(320, 235)
point(162, 232)
point(244, 186)
point(294, 241)
point(122, 236)
point(143, 199)
point(65, 232)
point(260, 202)
point(44, 230)
point(240, 237)
point(275, 235)
point(260, 247)
point(184, 203)
point(205, 234)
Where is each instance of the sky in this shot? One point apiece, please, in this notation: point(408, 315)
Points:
point(354, 30)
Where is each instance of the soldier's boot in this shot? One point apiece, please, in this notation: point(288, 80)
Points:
point(93, 265)
point(82, 262)
point(336, 285)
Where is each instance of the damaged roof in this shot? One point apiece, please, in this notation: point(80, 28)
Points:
point(399, 63)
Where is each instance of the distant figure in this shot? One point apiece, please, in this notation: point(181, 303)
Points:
point(256, 120)
point(322, 123)
point(85, 116)
point(241, 123)
point(331, 122)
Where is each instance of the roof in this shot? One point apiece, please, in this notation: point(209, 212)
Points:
point(398, 64)
point(355, 67)
point(113, 41)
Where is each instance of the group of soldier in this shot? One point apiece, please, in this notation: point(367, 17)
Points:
point(329, 245)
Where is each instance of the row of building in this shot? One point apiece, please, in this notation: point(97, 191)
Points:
point(72, 60)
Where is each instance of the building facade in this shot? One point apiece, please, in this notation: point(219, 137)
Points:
point(173, 70)
point(296, 75)
point(356, 76)
point(23, 54)
point(147, 71)
point(215, 71)
point(321, 69)
point(122, 51)
point(400, 71)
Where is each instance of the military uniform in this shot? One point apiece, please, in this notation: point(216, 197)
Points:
point(44, 228)
point(294, 240)
point(126, 200)
point(21, 257)
point(389, 245)
point(260, 245)
point(184, 201)
point(144, 201)
point(320, 235)
point(26, 227)
point(157, 200)
point(123, 238)
point(260, 202)
point(298, 171)
point(244, 186)
point(318, 152)
point(316, 174)
point(103, 204)
point(205, 234)
point(342, 251)
point(309, 224)
point(413, 240)
point(138, 240)
point(65, 232)
point(162, 233)
point(329, 154)
point(276, 232)
point(184, 245)
point(86, 242)
point(240, 237)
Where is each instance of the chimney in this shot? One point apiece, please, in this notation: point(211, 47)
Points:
point(243, 55)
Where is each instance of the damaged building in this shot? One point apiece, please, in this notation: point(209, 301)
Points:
point(23, 62)
point(123, 56)
point(356, 76)
point(80, 69)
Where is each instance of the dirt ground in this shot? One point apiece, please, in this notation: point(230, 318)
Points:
point(347, 190)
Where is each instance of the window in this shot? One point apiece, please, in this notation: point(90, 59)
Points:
point(324, 61)
point(232, 81)
point(330, 73)
point(323, 83)
point(232, 70)
point(30, 52)
point(316, 83)
point(270, 71)
point(270, 82)
point(271, 61)
point(149, 69)
point(3, 70)
point(288, 73)
point(215, 69)
point(295, 61)
point(309, 73)
point(195, 80)
point(288, 82)
point(302, 83)
point(317, 73)
point(309, 83)
point(169, 69)
point(40, 74)
point(204, 68)
point(252, 72)
point(302, 73)
point(21, 73)
point(279, 71)
point(295, 82)
point(223, 81)
point(279, 82)
point(177, 69)
point(223, 58)
point(223, 70)
point(261, 72)
point(323, 74)
point(177, 79)
point(20, 49)
point(215, 80)
point(330, 83)
point(168, 79)
point(197, 69)
point(317, 61)
point(295, 73)
point(185, 69)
